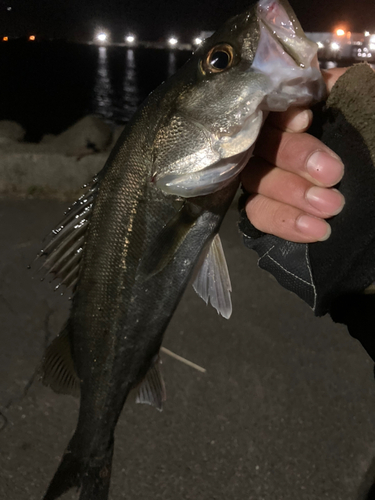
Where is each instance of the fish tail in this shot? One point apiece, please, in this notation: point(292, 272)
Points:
point(97, 476)
point(68, 475)
point(88, 472)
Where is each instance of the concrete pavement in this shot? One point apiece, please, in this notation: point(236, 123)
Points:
point(285, 410)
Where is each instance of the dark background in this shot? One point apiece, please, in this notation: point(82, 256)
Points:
point(78, 19)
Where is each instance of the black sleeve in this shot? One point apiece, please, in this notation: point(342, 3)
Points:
point(331, 276)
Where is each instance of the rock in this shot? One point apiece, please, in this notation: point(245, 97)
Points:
point(87, 136)
point(33, 169)
point(48, 139)
point(11, 131)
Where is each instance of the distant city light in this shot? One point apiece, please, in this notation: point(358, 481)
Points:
point(340, 32)
point(130, 38)
point(102, 37)
point(367, 33)
point(173, 41)
point(335, 46)
point(320, 45)
point(5, 39)
point(32, 38)
point(198, 41)
point(364, 53)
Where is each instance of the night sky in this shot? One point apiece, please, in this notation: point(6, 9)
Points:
point(154, 19)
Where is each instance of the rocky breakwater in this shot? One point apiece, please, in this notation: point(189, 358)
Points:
point(57, 166)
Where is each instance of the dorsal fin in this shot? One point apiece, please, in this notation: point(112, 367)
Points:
point(212, 281)
point(58, 367)
point(65, 249)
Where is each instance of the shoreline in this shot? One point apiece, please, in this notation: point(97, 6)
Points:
point(58, 166)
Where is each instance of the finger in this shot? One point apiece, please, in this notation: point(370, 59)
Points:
point(292, 120)
point(284, 221)
point(331, 76)
point(262, 178)
point(301, 154)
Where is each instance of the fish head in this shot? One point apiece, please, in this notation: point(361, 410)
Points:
point(259, 61)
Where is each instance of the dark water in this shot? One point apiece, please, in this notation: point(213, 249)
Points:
point(48, 86)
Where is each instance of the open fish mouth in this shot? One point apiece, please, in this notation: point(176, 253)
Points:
point(287, 57)
point(282, 24)
point(283, 72)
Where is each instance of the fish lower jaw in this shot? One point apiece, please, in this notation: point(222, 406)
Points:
point(234, 153)
point(206, 181)
point(231, 145)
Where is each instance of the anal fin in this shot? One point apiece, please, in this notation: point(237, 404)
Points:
point(152, 389)
point(58, 367)
point(212, 281)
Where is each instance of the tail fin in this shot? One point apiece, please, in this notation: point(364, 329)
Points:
point(91, 473)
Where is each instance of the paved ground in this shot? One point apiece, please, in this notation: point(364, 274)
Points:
point(285, 410)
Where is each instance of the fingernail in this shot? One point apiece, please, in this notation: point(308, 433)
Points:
point(328, 201)
point(325, 168)
point(301, 121)
point(314, 227)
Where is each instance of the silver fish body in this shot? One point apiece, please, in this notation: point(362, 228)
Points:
point(130, 246)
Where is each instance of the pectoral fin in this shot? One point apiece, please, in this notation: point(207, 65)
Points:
point(212, 282)
point(170, 239)
point(152, 389)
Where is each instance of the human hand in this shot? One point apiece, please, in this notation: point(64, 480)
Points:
point(291, 175)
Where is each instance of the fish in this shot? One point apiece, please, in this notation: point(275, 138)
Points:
point(149, 223)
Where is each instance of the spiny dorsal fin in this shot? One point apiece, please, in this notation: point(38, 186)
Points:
point(58, 367)
point(152, 389)
point(212, 282)
point(64, 252)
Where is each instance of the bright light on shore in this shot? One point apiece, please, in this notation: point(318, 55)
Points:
point(5, 39)
point(335, 46)
point(367, 33)
point(32, 38)
point(320, 45)
point(130, 38)
point(173, 41)
point(340, 32)
point(102, 37)
point(198, 41)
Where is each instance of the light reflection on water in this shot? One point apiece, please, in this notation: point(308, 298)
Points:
point(124, 78)
point(172, 63)
point(131, 95)
point(103, 90)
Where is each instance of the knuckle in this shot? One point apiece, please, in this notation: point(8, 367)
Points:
point(281, 219)
point(287, 147)
point(256, 209)
point(269, 215)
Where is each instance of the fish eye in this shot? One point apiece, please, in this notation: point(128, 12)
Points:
point(218, 59)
